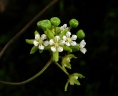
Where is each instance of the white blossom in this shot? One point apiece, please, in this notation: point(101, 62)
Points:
point(39, 41)
point(69, 41)
point(64, 27)
point(56, 44)
point(82, 45)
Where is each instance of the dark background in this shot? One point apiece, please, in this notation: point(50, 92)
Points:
point(98, 19)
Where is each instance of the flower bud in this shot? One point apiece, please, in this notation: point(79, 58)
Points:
point(29, 41)
point(49, 34)
point(73, 23)
point(67, 48)
point(36, 32)
point(75, 48)
point(80, 34)
point(44, 24)
point(63, 33)
point(55, 21)
point(34, 49)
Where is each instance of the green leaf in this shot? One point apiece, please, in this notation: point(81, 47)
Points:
point(29, 41)
point(34, 49)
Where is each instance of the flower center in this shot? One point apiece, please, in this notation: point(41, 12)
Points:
point(56, 44)
point(40, 41)
point(68, 40)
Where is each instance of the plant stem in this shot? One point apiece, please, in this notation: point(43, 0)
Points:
point(30, 79)
point(62, 68)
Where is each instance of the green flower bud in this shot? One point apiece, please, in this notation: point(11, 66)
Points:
point(80, 34)
point(34, 49)
point(56, 56)
point(49, 34)
point(29, 41)
point(63, 34)
point(36, 32)
point(55, 21)
point(67, 48)
point(73, 23)
point(75, 48)
point(44, 24)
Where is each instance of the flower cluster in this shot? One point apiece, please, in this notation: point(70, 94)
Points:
point(58, 39)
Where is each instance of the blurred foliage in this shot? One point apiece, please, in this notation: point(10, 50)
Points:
point(98, 19)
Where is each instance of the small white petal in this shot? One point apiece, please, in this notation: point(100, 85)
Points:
point(43, 36)
point(37, 36)
point(46, 43)
point(51, 42)
point(83, 50)
point(35, 43)
point(62, 42)
point(68, 34)
point(74, 37)
point(67, 43)
point(53, 48)
point(65, 25)
point(61, 28)
point(73, 43)
point(82, 44)
point(60, 49)
point(56, 38)
point(41, 47)
point(64, 37)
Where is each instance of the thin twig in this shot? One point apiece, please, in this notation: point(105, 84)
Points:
point(26, 27)
point(30, 79)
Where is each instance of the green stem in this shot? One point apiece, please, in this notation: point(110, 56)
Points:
point(62, 68)
point(30, 79)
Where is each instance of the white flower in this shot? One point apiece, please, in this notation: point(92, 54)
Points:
point(64, 27)
point(56, 44)
point(82, 45)
point(69, 40)
point(39, 41)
